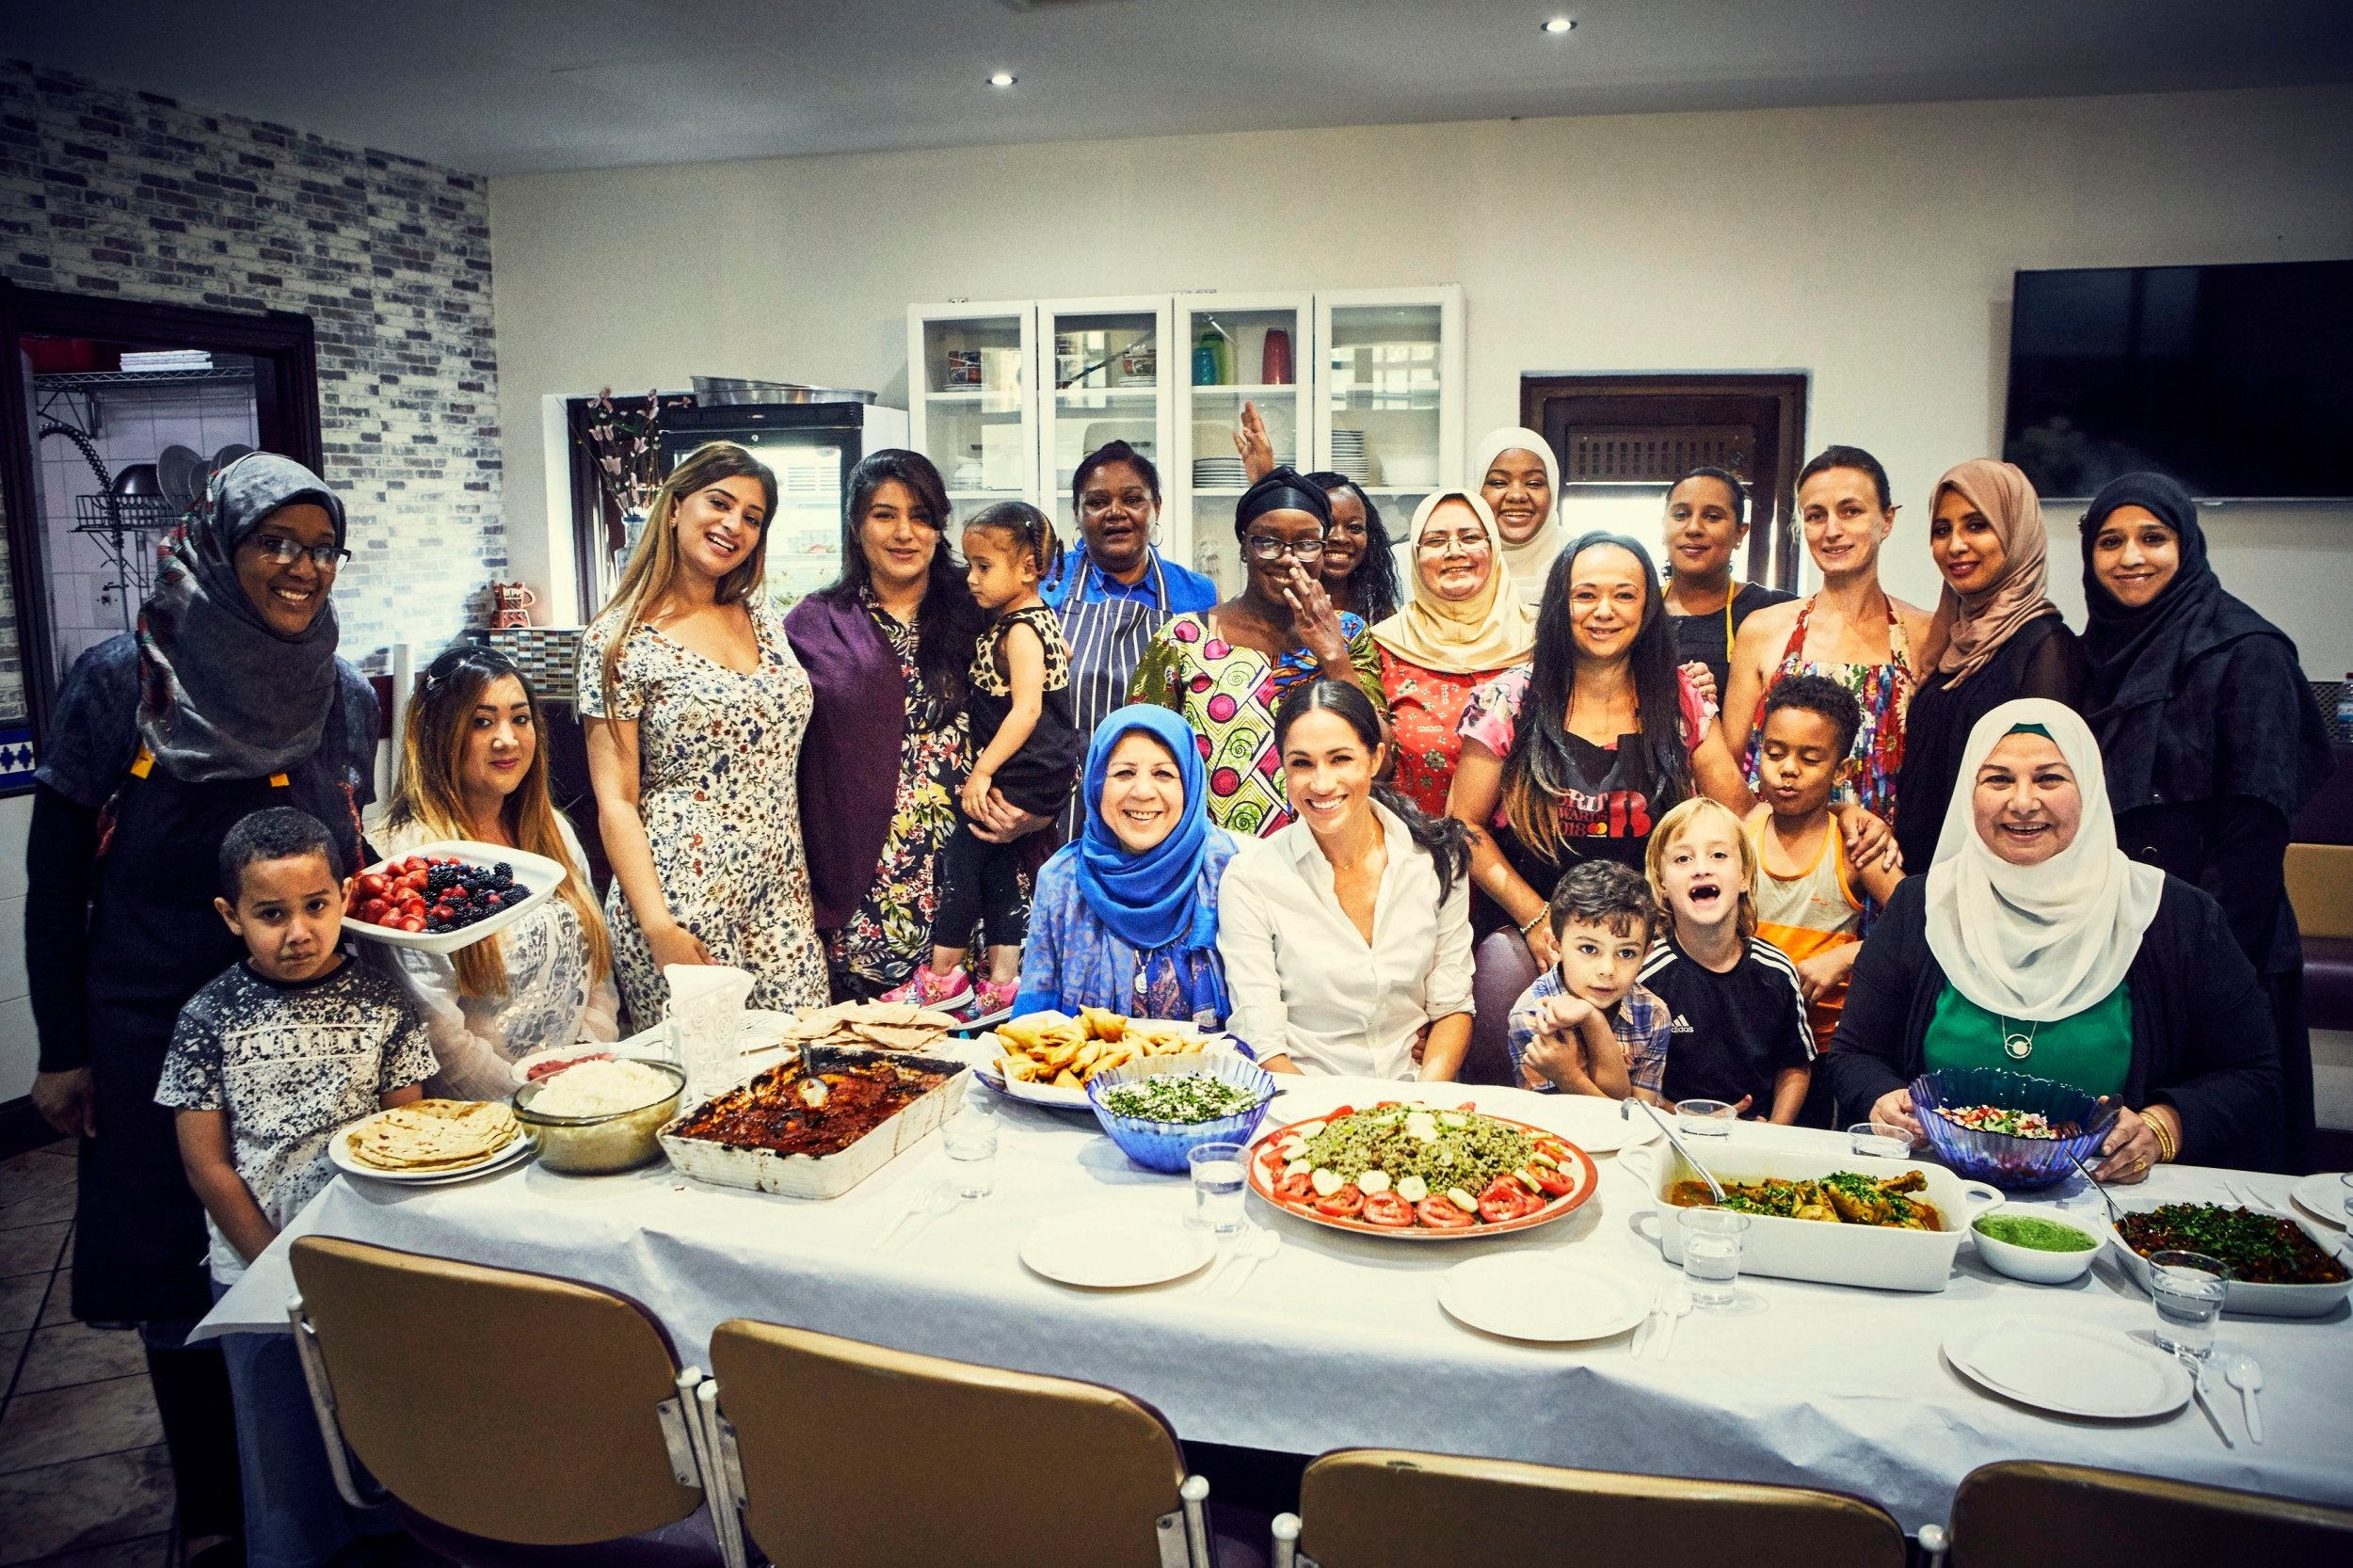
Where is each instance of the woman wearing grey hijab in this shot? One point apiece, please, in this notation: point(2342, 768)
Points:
point(227, 699)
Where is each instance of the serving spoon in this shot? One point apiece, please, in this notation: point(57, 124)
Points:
point(2115, 1215)
point(1625, 1114)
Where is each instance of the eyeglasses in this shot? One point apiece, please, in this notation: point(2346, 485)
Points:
point(1448, 544)
point(281, 551)
point(1265, 548)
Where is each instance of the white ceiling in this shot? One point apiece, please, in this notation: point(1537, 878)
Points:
point(505, 87)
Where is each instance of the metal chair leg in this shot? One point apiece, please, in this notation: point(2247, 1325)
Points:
point(323, 1406)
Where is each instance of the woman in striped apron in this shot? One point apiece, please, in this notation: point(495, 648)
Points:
point(1115, 589)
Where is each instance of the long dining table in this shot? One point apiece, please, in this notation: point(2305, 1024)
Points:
point(1339, 1339)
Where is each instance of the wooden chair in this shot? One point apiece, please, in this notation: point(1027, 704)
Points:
point(1386, 1508)
point(836, 1452)
point(512, 1418)
point(2030, 1513)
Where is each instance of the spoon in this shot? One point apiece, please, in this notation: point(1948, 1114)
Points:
point(1676, 1306)
point(2115, 1215)
point(1715, 1187)
point(2246, 1375)
point(933, 1201)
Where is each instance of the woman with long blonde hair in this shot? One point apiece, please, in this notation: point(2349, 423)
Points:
point(472, 766)
point(694, 706)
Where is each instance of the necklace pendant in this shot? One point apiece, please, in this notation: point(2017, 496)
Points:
point(2018, 1047)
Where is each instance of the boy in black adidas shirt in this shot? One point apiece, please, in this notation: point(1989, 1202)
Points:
point(1737, 1013)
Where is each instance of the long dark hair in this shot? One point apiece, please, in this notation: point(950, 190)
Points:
point(1538, 772)
point(1374, 580)
point(949, 621)
point(1446, 840)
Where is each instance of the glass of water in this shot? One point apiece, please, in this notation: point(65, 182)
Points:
point(1711, 1254)
point(1704, 1118)
point(2188, 1289)
point(2346, 1182)
point(1879, 1140)
point(1218, 1178)
point(969, 1136)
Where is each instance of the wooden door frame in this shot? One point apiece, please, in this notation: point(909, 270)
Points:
point(1774, 538)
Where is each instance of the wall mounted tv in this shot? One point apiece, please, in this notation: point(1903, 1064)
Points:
point(2236, 380)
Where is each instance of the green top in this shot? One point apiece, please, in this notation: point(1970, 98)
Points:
point(2093, 1049)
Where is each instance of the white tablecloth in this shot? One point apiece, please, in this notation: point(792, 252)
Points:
point(1339, 1340)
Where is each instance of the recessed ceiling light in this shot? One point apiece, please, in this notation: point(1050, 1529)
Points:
point(1003, 79)
point(1559, 25)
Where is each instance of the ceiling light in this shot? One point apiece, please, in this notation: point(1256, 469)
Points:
point(1003, 79)
point(1559, 25)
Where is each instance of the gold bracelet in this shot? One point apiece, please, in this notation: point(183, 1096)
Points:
point(2165, 1140)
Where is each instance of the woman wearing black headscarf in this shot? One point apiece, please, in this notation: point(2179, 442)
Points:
point(2212, 737)
point(229, 698)
point(1225, 669)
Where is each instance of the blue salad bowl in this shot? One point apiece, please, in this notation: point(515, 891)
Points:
point(1163, 1146)
point(2012, 1164)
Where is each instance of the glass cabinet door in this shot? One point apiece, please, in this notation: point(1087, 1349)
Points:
point(971, 370)
point(1235, 349)
point(1106, 363)
point(1391, 412)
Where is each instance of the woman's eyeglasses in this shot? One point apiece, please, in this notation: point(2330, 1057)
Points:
point(1449, 544)
point(1264, 549)
point(283, 551)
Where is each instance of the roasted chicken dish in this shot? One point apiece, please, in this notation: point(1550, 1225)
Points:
point(1844, 1198)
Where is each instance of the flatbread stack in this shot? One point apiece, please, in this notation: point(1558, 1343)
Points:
point(871, 1025)
point(433, 1135)
point(1063, 1052)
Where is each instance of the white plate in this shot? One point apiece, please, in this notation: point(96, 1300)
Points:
point(2070, 1368)
point(539, 873)
point(343, 1160)
point(1542, 1296)
point(2323, 1197)
point(1113, 1250)
point(985, 1068)
point(1593, 1124)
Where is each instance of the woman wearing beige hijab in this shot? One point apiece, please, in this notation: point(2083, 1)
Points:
point(2001, 637)
point(1463, 624)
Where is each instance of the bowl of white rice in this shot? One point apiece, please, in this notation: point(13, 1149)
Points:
point(596, 1117)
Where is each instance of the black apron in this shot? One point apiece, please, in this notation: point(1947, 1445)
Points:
point(1609, 816)
point(1107, 641)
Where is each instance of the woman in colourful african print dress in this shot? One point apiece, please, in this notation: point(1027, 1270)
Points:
point(1226, 670)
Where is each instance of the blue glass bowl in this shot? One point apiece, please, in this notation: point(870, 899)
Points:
point(1163, 1146)
point(2014, 1164)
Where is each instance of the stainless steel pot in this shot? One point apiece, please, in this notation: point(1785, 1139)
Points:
point(711, 392)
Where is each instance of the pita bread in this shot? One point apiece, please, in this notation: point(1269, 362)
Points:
point(870, 1025)
point(433, 1134)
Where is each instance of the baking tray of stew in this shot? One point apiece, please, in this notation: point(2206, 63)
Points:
point(807, 1175)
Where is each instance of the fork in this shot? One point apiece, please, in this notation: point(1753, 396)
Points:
point(1648, 1328)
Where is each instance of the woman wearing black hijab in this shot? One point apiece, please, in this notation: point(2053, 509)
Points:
point(229, 698)
point(2212, 737)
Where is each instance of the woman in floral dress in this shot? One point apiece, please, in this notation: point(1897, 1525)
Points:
point(1462, 625)
point(1225, 669)
point(696, 707)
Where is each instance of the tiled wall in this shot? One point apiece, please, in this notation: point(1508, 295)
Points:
point(108, 191)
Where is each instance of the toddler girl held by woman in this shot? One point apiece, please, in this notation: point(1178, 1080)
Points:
point(1029, 750)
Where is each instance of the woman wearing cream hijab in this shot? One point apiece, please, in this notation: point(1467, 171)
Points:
point(2002, 638)
point(1461, 624)
point(1514, 472)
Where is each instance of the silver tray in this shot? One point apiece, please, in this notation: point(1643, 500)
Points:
point(804, 1175)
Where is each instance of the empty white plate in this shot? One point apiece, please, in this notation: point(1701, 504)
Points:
point(2323, 1197)
point(1116, 1250)
point(1542, 1296)
point(2070, 1368)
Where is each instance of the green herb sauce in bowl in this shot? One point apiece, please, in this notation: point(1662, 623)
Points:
point(2025, 1230)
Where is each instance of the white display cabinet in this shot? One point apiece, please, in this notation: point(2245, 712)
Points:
point(972, 403)
point(1237, 348)
point(1388, 410)
point(1109, 363)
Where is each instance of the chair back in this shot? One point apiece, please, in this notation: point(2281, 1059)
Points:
point(859, 1457)
point(1501, 968)
point(2319, 880)
point(2026, 1511)
point(1387, 1508)
point(503, 1404)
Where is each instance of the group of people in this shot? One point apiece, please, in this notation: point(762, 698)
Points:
point(1783, 854)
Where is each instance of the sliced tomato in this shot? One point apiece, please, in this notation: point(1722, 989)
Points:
point(1344, 1203)
point(1388, 1209)
point(1270, 1157)
point(1439, 1213)
point(1552, 1181)
point(1335, 1115)
point(1297, 1189)
point(1504, 1199)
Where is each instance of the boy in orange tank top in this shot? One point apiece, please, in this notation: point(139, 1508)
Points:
point(1807, 902)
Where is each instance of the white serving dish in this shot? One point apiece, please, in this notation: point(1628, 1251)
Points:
point(804, 1175)
point(1875, 1257)
point(537, 873)
point(1045, 1093)
point(2033, 1264)
point(2244, 1298)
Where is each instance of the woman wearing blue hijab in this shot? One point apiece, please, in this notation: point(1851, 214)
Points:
point(1125, 918)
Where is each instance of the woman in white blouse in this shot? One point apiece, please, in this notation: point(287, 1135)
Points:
point(1346, 936)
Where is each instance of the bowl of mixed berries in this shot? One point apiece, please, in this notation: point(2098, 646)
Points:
point(447, 896)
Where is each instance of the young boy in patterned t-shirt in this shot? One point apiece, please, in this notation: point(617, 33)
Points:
point(1586, 1026)
point(267, 1063)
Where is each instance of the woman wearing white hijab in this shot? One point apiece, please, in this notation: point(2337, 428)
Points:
point(1512, 469)
point(2035, 944)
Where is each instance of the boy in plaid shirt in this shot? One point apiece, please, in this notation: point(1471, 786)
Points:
point(1586, 1027)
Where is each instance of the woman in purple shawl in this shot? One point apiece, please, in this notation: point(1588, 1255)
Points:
point(887, 750)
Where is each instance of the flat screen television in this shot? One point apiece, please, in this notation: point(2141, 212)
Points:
point(2236, 380)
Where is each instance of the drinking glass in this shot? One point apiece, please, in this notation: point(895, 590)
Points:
point(1218, 1178)
point(708, 1049)
point(1711, 1254)
point(2188, 1288)
point(1704, 1118)
point(1879, 1140)
point(969, 1136)
point(2346, 1181)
